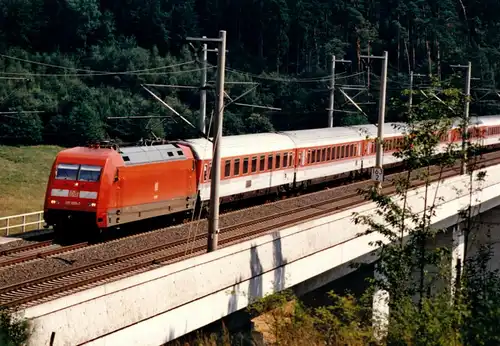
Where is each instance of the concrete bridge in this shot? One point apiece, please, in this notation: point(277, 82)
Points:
point(160, 305)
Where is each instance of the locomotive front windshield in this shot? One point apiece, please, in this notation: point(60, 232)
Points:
point(88, 173)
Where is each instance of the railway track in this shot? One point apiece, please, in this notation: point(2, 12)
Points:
point(34, 251)
point(33, 291)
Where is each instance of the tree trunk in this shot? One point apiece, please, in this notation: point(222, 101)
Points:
point(358, 53)
point(407, 55)
point(399, 43)
point(298, 59)
point(438, 59)
point(429, 61)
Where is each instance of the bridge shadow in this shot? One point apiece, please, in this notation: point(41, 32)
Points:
point(255, 292)
point(279, 263)
point(255, 289)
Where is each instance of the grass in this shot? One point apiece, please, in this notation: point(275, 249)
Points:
point(24, 172)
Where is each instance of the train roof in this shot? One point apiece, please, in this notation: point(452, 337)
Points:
point(486, 120)
point(338, 135)
point(250, 144)
point(151, 153)
point(242, 145)
point(85, 153)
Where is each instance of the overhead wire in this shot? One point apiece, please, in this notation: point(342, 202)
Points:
point(92, 71)
point(325, 78)
point(88, 72)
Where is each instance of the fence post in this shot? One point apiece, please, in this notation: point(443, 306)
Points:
point(39, 220)
point(24, 223)
point(8, 226)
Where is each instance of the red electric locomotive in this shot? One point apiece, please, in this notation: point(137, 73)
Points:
point(103, 187)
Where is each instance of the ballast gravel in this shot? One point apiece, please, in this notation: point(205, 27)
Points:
point(118, 247)
point(14, 244)
point(107, 250)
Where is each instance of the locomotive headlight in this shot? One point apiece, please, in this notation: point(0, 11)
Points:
point(93, 204)
point(53, 201)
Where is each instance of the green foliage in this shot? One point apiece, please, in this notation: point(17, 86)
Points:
point(279, 41)
point(346, 321)
point(13, 331)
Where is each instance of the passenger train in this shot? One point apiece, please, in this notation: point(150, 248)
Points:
point(109, 186)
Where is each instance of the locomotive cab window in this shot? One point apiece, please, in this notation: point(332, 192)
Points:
point(66, 171)
point(78, 172)
point(89, 173)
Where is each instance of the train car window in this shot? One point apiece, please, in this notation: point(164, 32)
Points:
point(89, 173)
point(254, 164)
point(318, 155)
point(356, 150)
point(328, 154)
point(309, 156)
point(313, 160)
point(285, 160)
point(227, 168)
point(323, 154)
point(180, 152)
point(262, 163)
point(334, 153)
point(270, 162)
point(210, 171)
point(245, 165)
point(290, 159)
point(67, 172)
point(342, 148)
point(278, 161)
point(236, 167)
point(205, 172)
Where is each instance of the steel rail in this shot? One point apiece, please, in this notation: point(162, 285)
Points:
point(50, 285)
point(41, 254)
point(26, 248)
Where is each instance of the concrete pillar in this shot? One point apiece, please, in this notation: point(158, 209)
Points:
point(457, 257)
point(380, 306)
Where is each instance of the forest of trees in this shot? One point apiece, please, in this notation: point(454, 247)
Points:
point(285, 46)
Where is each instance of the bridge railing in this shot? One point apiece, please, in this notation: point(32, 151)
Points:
point(21, 223)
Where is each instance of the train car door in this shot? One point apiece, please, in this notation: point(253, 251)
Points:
point(118, 187)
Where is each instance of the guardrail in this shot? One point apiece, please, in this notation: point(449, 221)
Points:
point(27, 221)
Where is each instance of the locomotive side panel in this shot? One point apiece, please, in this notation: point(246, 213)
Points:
point(151, 190)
